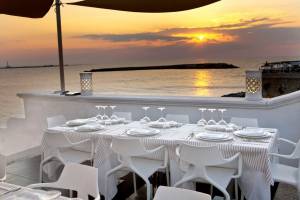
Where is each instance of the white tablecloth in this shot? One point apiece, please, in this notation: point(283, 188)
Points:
point(256, 177)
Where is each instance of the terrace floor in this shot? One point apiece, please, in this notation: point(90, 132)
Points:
point(26, 172)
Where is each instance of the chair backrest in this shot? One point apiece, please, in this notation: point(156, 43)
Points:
point(178, 118)
point(55, 140)
point(2, 168)
point(201, 156)
point(247, 122)
point(80, 178)
point(128, 146)
point(126, 115)
point(296, 152)
point(173, 193)
point(56, 121)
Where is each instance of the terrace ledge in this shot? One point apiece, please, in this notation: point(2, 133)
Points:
point(229, 102)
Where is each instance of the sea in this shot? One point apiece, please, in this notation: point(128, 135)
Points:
point(200, 82)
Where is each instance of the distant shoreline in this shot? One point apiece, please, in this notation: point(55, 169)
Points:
point(23, 67)
point(164, 67)
point(29, 67)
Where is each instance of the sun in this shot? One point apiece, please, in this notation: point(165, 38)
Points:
point(200, 37)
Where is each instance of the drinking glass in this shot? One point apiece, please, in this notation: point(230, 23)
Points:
point(222, 121)
point(202, 121)
point(105, 117)
point(99, 116)
point(162, 114)
point(113, 116)
point(145, 119)
point(211, 121)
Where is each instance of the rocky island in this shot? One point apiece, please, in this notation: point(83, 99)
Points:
point(164, 67)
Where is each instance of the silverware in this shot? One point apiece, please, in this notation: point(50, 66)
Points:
point(190, 136)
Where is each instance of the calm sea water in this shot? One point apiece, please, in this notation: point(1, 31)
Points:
point(206, 82)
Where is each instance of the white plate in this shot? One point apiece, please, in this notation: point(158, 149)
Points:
point(141, 132)
point(214, 137)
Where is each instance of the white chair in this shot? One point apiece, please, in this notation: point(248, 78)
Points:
point(284, 173)
point(131, 154)
point(207, 165)
point(172, 193)
point(246, 122)
point(2, 168)
point(62, 150)
point(76, 177)
point(178, 118)
point(56, 121)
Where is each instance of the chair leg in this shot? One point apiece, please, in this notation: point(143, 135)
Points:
point(168, 176)
point(183, 180)
point(236, 189)
point(41, 172)
point(211, 190)
point(149, 189)
point(242, 196)
point(134, 183)
point(149, 186)
point(106, 179)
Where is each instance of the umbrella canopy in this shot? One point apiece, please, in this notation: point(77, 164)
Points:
point(148, 6)
point(25, 8)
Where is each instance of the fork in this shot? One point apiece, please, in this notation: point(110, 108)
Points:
point(190, 136)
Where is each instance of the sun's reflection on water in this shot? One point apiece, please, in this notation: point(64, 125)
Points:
point(202, 80)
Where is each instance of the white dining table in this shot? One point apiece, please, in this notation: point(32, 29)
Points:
point(256, 177)
point(5, 189)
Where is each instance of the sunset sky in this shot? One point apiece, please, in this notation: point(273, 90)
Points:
point(229, 29)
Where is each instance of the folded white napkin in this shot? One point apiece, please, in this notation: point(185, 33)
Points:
point(222, 128)
point(234, 126)
point(142, 132)
point(89, 127)
point(79, 122)
point(31, 194)
point(113, 120)
point(212, 136)
point(59, 129)
point(164, 124)
point(253, 132)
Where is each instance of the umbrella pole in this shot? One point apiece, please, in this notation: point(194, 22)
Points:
point(60, 47)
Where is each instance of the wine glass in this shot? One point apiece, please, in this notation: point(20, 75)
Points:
point(202, 121)
point(222, 121)
point(113, 116)
point(162, 114)
point(99, 116)
point(211, 121)
point(105, 117)
point(145, 119)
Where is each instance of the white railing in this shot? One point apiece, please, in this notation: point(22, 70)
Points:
point(279, 112)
